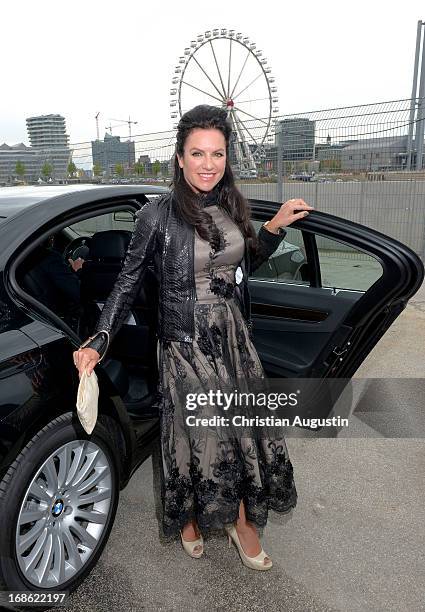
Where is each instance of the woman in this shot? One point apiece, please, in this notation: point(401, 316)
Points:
point(203, 247)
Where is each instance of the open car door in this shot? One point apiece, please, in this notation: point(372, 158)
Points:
point(327, 295)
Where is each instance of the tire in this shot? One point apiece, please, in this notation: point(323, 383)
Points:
point(51, 535)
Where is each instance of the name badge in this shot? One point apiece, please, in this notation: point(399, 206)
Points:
point(238, 275)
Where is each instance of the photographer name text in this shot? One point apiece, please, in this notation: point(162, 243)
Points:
point(269, 421)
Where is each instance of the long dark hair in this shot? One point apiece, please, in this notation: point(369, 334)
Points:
point(189, 203)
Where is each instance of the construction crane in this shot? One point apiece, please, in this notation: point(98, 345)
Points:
point(129, 123)
point(97, 124)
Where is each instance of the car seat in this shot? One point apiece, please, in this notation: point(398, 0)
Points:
point(135, 340)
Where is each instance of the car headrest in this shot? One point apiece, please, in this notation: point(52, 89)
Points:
point(109, 245)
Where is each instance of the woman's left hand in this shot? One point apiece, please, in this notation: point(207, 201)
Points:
point(287, 215)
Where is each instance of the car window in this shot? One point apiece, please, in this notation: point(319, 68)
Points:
point(344, 267)
point(288, 262)
point(341, 266)
point(120, 220)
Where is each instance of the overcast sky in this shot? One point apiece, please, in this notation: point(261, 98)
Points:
point(118, 58)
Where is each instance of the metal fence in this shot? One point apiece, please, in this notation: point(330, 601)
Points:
point(351, 162)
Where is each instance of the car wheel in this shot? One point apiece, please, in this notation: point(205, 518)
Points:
point(57, 502)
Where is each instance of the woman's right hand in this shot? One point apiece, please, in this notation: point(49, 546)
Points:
point(85, 359)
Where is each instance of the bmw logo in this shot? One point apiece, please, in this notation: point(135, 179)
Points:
point(57, 507)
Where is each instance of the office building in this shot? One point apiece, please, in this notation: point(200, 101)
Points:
point(295, 136)
point(146, 162)
point(110, 151)
point(10, 155)
point(49, 144)
point(47, 135)
point(367, 154)
point(47, 132)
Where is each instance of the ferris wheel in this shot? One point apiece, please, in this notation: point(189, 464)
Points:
point(223, 68)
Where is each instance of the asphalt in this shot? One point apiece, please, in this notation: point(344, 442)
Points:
point(354, 543)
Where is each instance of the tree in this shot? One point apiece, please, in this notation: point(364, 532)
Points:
point(156, 167)
point(72, 169)
point(288, 167)
point(139, 168)
point(330, 164)
point(47, 170)
point(97, 170)
point(20, 169)
point(119, 169)
point(336, 164)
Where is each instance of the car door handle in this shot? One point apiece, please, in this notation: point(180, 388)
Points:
point(19, 364)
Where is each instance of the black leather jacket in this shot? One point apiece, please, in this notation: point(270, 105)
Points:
point(163, 239)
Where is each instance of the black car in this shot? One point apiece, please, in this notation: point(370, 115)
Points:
point(318, 309)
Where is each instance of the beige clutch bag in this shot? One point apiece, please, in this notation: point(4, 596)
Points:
point(87, 396)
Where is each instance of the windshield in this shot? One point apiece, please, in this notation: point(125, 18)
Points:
point(120, 220)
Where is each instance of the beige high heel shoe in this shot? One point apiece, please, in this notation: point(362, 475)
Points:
point(257, 562)
point(190, 546)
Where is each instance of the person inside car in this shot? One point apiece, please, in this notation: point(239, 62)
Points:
point(55, 283)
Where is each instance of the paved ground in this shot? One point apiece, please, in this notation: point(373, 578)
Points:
point(355, 543)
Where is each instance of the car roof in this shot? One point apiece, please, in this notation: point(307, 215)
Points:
point(14, 200)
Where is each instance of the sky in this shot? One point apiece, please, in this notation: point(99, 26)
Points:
point(118, 58)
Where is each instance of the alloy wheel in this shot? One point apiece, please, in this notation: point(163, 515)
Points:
point(64, 512)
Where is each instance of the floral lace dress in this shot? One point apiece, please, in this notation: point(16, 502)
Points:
point(206, 476)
